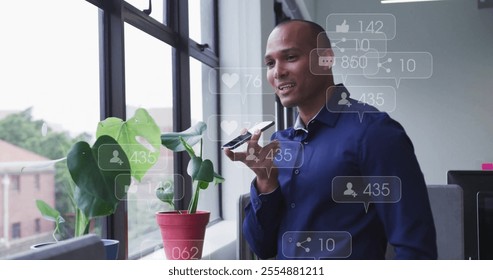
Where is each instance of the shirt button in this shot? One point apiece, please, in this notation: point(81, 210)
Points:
point(293, 205)
point(306, 142)
point(296, 171)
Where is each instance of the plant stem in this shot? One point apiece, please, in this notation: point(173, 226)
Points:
point(192, 208)
point(81, 223)
point(201, 143)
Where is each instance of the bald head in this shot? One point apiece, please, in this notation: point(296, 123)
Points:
point(292, 58)
point(316, 33)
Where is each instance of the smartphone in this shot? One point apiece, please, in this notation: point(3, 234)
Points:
point(240, 140)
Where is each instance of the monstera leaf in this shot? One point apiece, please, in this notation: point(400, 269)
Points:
point(192, 136)
point(165, 192)
point(139, 137)
point(101, 173)
point(201, 170)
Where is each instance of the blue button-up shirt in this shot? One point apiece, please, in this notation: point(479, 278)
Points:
point(334, 199)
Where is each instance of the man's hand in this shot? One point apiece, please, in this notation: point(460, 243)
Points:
point(260, 160)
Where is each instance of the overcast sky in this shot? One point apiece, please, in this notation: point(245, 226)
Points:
point(50, 61)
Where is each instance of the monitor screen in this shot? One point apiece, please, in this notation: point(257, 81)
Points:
point(477, 187)
point(485, 225)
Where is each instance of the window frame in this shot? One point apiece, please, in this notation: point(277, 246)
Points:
point(113, 15)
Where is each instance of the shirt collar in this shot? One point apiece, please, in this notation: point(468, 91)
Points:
point(328, 114)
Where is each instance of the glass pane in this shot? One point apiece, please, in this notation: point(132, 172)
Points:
point(158, 8)
point(50, 99)
point(148, 78)
point(201, 21)
point(204, 108)
point(194, 20)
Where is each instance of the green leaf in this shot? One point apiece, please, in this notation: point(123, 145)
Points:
point(139, 138)
point(48, 212)
point(206, 172)
point(203, 184)
point(194, 167)
point(218, 178)
point(165, 193)
point(187, 147)
point(100, 183)
point(200, 170)
point(192, 136)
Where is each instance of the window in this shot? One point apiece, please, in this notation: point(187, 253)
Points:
point(159, 59)
point(16, 230)
point(37, 225)
point(204, 108)
point(15, 182)
point(50, 78)
point(148, 84)
point(155, 8)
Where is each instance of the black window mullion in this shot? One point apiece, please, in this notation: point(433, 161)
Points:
point(98, 3)
point(215, 49)
point(112, 98)
point(203, 54)
point(181, 92)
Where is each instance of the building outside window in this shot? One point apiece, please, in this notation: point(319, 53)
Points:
point(16, 230)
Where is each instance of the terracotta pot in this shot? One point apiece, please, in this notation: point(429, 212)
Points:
point(183, 233)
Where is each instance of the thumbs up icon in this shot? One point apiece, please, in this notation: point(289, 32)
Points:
point(342, 28)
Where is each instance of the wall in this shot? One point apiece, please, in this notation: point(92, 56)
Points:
point(448, 116)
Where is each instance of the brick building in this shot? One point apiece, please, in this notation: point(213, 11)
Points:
point(23, 179)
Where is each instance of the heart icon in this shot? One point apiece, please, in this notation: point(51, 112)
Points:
point(229, 126)
point(230, 80)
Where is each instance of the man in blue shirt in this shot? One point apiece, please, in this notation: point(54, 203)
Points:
point(338, 185)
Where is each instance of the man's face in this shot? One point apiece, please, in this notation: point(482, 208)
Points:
point(287, 58)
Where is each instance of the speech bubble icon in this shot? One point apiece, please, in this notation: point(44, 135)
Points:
point(365, 42)
point(146, 188)
point(229, 126)
point(232, 125)
point(240, 81)
point(325, 61)
point(230, 80)
point(366, 189)
point(187, 249)
point(342, 28)
point(110, 157)
point(403, 65)
point(351, 62)
point(361, 100)
point(368, 23)
point(288, 155)
point(316, 244)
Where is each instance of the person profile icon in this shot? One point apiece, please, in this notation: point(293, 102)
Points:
point(349, 190)
point(344, 100)
point(115, 158)
point(251, 155)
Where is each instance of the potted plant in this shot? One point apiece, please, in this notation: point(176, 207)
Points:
point(102, 173)
point(183, 231)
